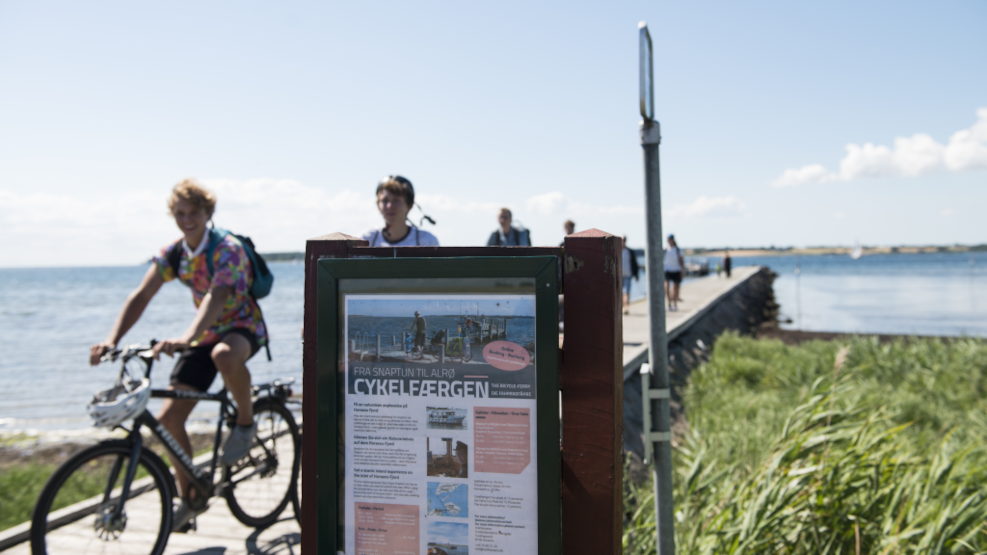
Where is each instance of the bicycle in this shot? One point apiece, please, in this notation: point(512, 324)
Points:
point(129, 491)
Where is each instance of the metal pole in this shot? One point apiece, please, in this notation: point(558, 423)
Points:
point(657, 396)
point(798, 293)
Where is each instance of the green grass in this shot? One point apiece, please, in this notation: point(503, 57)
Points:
point(20, 486)
point(19, 489)
point(789, 451)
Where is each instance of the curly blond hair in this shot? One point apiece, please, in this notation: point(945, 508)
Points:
point(190, 190)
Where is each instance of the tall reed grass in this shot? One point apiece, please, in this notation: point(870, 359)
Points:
point(829, 447)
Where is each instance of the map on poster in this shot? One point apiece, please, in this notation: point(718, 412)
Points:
point(439, 411)
point(447, 500)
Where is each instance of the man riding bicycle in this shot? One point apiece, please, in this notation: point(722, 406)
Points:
point(227, 329)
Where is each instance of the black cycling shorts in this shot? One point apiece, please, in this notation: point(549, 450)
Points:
point(196, 368)
point(674, 276)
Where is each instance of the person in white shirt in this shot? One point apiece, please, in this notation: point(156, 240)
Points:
point(395, 198)
point(674, 266)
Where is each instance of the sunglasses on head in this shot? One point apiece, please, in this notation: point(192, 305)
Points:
point(402, 181)
point(411, 194)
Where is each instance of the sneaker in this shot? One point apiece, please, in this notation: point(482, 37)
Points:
point(184, 517)
point(238, 444)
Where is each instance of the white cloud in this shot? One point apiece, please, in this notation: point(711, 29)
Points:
point(444, 203)
point(556, 203)
point(67, 230)
point(840, 215)
point(946, 212)
point(967, 149)
point(909, 157)
point(278, 214)
point(546, 204)
point(708, 207)
point(814, 173)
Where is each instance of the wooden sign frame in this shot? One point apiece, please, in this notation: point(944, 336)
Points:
point(589, 476)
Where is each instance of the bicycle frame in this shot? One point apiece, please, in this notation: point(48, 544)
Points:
point(203, 482)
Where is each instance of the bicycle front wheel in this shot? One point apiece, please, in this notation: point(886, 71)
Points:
point(262, 483)
point(77, 510)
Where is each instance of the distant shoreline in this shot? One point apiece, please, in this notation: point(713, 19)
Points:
point(750, 251)
point(815, 251)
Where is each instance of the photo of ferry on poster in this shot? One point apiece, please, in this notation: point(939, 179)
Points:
point(441, 346)
point(440, 421)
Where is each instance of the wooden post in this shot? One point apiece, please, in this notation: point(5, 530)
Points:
point(378, 347)
point(504, 331)
point(591, 379)
point(335, 245)
point(394, 340)
point(592, 393)
point(442, 354)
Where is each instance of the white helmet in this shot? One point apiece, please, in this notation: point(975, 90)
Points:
point(111, 407)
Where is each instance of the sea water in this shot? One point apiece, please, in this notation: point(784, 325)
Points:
point(941, 293)
point(49, 318)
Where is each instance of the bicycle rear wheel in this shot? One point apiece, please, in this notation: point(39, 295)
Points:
point(263, 482)
point(75, 511)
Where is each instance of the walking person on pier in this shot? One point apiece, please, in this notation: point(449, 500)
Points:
point(674, 267)
point(418, 326)
point(630, 270)
point(727, 262)
point(508, 235)
point(395, 198)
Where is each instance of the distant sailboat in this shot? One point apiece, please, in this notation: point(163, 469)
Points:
point(857, 252)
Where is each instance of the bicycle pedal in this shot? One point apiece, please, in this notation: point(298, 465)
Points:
point(190, 525)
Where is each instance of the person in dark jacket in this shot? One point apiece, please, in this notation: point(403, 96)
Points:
point(630, 270)
point(508, 235)
point(570, 228)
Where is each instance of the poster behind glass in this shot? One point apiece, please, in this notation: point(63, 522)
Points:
point(440, 423)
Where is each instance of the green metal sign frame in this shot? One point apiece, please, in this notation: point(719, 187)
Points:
point(402, 275)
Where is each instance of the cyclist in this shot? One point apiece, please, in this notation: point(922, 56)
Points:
point(227, 329)
point(395, 198)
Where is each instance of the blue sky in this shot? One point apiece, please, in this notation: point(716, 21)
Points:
point(293, 112)
point(451, 533)
point(471, 305)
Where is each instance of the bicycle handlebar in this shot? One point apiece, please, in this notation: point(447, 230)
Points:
point(131, 351)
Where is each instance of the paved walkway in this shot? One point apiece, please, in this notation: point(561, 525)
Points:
point(698, 296)
point(218, 532)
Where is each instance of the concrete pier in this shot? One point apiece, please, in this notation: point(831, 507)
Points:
point(709, 307)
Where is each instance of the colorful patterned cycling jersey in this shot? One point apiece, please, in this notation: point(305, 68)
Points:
point(231, 268)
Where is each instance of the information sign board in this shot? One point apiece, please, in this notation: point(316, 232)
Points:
point(438, 406)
